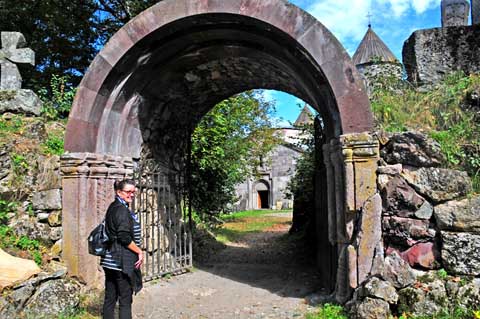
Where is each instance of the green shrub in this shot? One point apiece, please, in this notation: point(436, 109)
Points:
point(58, 101)
point(53, 145)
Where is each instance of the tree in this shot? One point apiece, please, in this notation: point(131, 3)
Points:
point(62, 33)
point(226, 149)
point(115, 13)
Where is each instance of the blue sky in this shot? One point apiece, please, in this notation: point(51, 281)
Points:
point(393, 20)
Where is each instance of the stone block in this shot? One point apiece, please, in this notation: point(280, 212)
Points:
point(429, 55)
point(460, 253)
point(14, 270)
point(20, 101)
point(400, 199)
point(461, 215)
point(424, 255)
point(406, 231)
point(398, 271)
point(377, 288)
point(47, 200)
point(423, 299)
point(438, 184)
point(413, 149)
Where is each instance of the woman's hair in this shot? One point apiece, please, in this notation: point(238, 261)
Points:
point(120, 185)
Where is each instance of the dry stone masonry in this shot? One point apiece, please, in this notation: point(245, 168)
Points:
point(427, 224)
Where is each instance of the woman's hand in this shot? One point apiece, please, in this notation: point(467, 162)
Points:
point(139, 262)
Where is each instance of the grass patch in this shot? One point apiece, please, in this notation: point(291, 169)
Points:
point(251, 213)
point(328, 311)
point(240, 224)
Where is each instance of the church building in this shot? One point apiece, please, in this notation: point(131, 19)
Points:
point(267, 189)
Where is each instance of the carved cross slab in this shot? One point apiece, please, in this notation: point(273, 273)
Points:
point(13, 51)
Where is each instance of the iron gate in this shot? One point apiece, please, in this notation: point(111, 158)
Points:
point(166, 235)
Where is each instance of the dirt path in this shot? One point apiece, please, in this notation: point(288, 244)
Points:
point(262, 275)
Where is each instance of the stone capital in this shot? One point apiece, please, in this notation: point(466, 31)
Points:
point(75, 165)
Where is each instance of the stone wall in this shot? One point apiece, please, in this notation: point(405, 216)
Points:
point(430, 232)
point(380, 74)
point(429, 55)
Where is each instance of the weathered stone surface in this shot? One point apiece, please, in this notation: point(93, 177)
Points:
point(369, 235)
point(455, 12)
point(425, 211)
point(14, 270)
point(428, 55)
point(398, 271)
point(52, 298)
point(468, 295)
point(49, 173)
point(380, 289)
point(56, 249)
point(461, 253)
point(42, 217)
point(55, 218)
point(28, 226)
point(393, 170)
point(47, 200)
point(413, 149)
point(406, 231)
point(22, 101)
point(475, 11)
point(370, 308)
point(425, 255)
point(424, 299)
point(438, 184)
point(461, 215)
point(400, 199)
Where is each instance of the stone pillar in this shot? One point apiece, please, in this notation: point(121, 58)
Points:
point(455, 13)
point(87, 181)
point(475, 11)
point(354, 207)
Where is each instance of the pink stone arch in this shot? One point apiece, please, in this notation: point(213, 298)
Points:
point(96, 125)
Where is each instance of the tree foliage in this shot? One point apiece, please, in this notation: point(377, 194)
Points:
point(62, 33)
point(65, 35)
point(226, 149)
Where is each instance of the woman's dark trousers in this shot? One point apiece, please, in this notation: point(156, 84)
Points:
point(117, 287)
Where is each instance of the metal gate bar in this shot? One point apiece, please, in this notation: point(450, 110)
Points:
point(166, 236)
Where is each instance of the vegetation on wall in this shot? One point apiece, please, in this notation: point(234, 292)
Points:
point(446, 112)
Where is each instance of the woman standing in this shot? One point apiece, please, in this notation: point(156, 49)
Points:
point(123, 260)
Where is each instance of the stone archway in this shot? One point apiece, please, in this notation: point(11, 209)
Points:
point(163, 70)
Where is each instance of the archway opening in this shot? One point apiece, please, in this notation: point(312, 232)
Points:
point(263, 195)
point(155, 79)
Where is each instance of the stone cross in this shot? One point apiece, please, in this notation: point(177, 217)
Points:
point(13, 51)
point(475, 11)
point(455, 12)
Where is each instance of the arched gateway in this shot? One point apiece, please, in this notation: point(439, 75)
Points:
point(163, 70)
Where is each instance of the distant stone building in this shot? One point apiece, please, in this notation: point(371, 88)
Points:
point(267, 188)
point(374, 60)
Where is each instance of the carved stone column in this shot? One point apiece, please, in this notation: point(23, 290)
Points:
point(354, 207)
point(87, 181)
point(362, 205)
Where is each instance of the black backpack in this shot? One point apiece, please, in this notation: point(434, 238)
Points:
point(98, 240)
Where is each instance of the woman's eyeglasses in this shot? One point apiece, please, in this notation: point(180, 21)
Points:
point(129, 192)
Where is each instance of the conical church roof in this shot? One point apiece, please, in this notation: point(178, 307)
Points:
point(305, 117)
point(372, 49)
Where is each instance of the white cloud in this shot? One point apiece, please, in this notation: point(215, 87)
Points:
point(421, 6)
point(348, 19)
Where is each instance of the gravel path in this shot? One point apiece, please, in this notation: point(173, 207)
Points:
point(262, 276)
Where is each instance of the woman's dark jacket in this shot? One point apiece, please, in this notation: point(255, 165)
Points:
point(120, 228)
